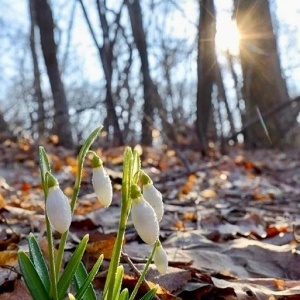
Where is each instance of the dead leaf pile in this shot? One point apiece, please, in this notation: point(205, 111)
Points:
point(231, 225)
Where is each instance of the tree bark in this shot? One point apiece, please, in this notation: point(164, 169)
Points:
point(152, 99)
point(61, 123)
point(5, 132)
point(206, 61)
point(223, 98)
point(136, 19)
point(263, 85)
point(38, 94)
point(107, 59)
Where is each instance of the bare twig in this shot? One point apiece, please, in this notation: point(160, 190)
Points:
point(269, 113)
point(136, 271)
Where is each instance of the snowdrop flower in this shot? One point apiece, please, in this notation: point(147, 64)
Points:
point(160, 259)
point(143, 217)
point(152, 196)
point(101, 182)
point(58, 208)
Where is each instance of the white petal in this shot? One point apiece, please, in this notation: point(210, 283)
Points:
point(58, 209)
point(161, 260)
point(154, 198)
point(145, 221)
point(102, 186)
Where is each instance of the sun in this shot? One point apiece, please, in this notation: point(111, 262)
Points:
point(227, 36)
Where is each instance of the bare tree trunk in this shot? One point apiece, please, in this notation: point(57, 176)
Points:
point(136, 19)
point(236, 84)
point(152, 99)
point(61, 124)
point(5, 132)
point(107, 58)
point(263, 85)
point(206, 61)
point(222, 97)
point(38, 95)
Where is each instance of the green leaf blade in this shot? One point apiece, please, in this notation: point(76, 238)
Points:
point(69, 272)
point(44, 163)
point(38, 261)
point(79, 279)
point(150, 294)
point(124, 295)
point(88, 142)
point(32, 279)
point(118, 282)
point(86, 291)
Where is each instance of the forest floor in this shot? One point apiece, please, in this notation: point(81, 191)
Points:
point(230, 227)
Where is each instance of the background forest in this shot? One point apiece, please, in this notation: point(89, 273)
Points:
point(183, 73)
point(207, 93)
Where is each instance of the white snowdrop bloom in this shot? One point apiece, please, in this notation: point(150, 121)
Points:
point(154, 198)
point(160, 259)
point(102, 186)
point(58, 209)
point(144, 220)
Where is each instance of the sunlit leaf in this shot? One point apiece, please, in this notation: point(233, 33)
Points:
point(44, 163)
point(124, 295)
point(118, 281)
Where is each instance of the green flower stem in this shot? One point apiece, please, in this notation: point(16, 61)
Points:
point(142, 277)
point(83, 151)
point(53, 274)
point(45, 169)
point(64, 236)
point(125, 208)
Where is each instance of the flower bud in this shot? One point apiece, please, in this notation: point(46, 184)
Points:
point(144, 218)
point(102, 186)
point(58, 209)
point(101, 181)
point(154, 198)
point(160, 259)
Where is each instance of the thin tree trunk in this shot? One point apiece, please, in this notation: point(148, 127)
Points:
point(152, 99)
point(205, 69)
point(135, 14)
point(107, 58)
point(38, 94)
point(222, 97)
point(236, 84)
point(5, 132)
point(61, 124)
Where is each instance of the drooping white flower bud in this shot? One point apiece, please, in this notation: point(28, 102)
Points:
point(58, 209)
point(154, 198)
point(102, 186)
point(160, 259)
point(143, 217)
point(101, 182)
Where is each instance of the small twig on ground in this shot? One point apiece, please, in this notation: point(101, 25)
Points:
point(136, 271)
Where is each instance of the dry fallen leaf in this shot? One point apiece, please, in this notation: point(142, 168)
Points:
point(208, 193)
point(8, 258)
point(101, 244)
